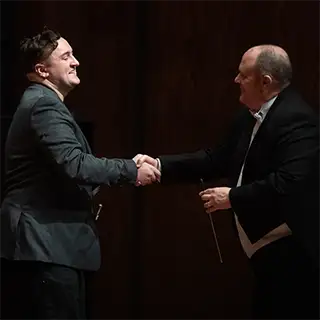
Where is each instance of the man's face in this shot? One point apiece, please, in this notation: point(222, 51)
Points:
point(250, 82)
point(61, 67)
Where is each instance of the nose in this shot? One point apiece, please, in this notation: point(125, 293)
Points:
point(236, 79)
point(75, 62)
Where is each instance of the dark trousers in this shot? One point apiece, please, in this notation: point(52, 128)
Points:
point(287, 284)
point(36, 290)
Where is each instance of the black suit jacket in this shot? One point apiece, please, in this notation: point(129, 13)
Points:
point(281, 175)
point(46, 213)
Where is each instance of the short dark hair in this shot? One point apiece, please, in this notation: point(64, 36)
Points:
point(38, 48)
point(277, 65)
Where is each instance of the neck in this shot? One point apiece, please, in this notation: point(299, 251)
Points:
point(271, 95)
point(60, 94)
point(268, 96)
point(35, 78)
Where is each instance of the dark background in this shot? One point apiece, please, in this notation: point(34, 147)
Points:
point(157, 78)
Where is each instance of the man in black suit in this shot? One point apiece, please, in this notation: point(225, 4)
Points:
point(271, 160)
point(48, 234)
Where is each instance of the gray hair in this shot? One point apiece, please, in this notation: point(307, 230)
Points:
point(275, 63)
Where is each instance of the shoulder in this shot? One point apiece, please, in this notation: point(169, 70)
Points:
point(42, 98)
point(37, 95)
point(291, 108)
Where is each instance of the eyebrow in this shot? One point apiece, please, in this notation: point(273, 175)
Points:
point(66, 53)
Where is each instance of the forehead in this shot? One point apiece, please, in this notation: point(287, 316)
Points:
point(63, 46)
point(248, 61)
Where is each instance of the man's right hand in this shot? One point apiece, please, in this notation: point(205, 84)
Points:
point(147, 174)
point(139, 159)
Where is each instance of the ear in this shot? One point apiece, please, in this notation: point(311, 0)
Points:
point(266, 80)
point(41, 70)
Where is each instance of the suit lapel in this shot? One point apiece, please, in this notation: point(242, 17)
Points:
point(78, 132)
point(264, 125)
point(242, 145)
point(82, 139)
point(246, 134)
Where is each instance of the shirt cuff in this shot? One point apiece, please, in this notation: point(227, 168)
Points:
point(158, 164)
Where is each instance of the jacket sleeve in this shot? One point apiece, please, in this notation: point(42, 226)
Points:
point(208, 164)
point(54, 130)
point(190, 167)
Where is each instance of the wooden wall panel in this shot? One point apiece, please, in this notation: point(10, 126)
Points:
point(190, 101)
point(157, 77)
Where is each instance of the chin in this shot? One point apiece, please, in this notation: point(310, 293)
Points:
point(242, 100)
point(75, 82)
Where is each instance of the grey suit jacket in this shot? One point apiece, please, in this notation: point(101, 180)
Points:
point(46, 214)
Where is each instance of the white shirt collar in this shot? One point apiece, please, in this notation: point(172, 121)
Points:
point(261, 114)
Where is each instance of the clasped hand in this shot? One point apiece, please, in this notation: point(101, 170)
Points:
point(148, 171)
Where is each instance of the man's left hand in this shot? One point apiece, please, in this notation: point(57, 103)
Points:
point(216, 199)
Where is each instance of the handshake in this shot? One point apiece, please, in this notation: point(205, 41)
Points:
point(148, 170)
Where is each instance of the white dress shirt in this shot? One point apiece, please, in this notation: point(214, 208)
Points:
point(281, 231)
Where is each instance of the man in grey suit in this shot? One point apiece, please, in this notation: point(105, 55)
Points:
point(48, 234)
